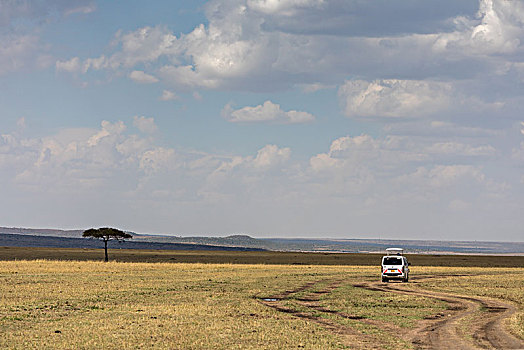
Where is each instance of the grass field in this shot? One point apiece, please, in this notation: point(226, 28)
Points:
point(262, 257)
point(128, 305)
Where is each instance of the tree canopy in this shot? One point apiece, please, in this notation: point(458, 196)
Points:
point(106, 234)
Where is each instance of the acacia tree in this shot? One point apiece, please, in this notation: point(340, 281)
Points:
point(106, 234)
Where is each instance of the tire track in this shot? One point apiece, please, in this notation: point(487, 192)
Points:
point(349, 336)
point(487, 315)
point(439, 331)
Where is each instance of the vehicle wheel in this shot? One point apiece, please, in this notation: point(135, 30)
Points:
point(384, 280)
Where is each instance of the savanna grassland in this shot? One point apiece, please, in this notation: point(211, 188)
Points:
point(72, 304)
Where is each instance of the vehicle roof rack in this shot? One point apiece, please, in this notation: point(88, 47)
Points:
point(394, 251)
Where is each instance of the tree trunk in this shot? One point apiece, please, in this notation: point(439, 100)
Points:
point(106, 257)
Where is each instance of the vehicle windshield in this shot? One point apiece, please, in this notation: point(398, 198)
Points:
point(392, 261)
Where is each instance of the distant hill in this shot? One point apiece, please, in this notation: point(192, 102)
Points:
point(24, 240)
point(41, 232)
point(277, 244)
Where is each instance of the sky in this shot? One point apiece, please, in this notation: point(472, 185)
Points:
point(387, 119)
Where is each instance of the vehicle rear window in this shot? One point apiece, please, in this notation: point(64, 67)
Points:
point(392, 261)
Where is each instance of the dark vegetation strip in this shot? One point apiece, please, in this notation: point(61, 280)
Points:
point(252, 257)
point(16, 240)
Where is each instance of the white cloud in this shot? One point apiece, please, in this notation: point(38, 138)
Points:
point(17, 52)
point(144, 124)
point(283, 7)
point(146, 44)
point(260, 175)
point(168, 95)
point(271, 156)
point(21, 26)
point(397, 168)
point(440, 176)
point(267, 158)
point(141, 77)
point(394, 98)
point(448, 78)
point(391, 152)
point(394, 178)
point(76, 160)
point(71, 66)
point(83, 9)
point(156, 159)
point(310, 88)
point(109, 130)
point(518, 153)
point(95, 64)
point(184, 77)
point(322, 162)
point(500, 30)
point(109, 159)
point(267, 112)
point(438, 127)
point(455, 148)
point(260, 45)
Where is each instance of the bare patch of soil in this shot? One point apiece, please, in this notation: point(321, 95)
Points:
point(441, 331)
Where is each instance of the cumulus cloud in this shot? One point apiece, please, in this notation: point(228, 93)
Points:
point(444, 75)
point(260, 45)
point(145, 45)
point(500, 30)
point(444, 175)
point(71, 65)
point(112, 159)
point(144, 124)
point(268, 157)
point(357, 175)
point(271, 156)
point(400, 157)
point(156, 159)
point(394, 98)
point(76, 160)
point(257, 175)
point(266, 112)
point(283, 7)
point(141, 77)
point(21, 24)
point(393, 173)
point(364, 150)
point(109, 130)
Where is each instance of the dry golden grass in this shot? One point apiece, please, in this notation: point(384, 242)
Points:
point(49, 304)
point(93, 305)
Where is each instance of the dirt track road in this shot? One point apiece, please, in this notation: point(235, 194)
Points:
point(442, 331)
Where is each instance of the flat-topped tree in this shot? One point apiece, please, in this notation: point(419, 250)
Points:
point(106, 234)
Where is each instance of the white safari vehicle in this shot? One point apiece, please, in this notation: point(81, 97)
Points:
point(395, 266)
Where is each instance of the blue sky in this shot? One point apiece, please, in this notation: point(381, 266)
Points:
point(274, 118)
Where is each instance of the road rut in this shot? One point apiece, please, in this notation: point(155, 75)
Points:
point(484, 318)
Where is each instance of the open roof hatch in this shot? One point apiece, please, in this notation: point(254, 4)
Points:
point(394, 251)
